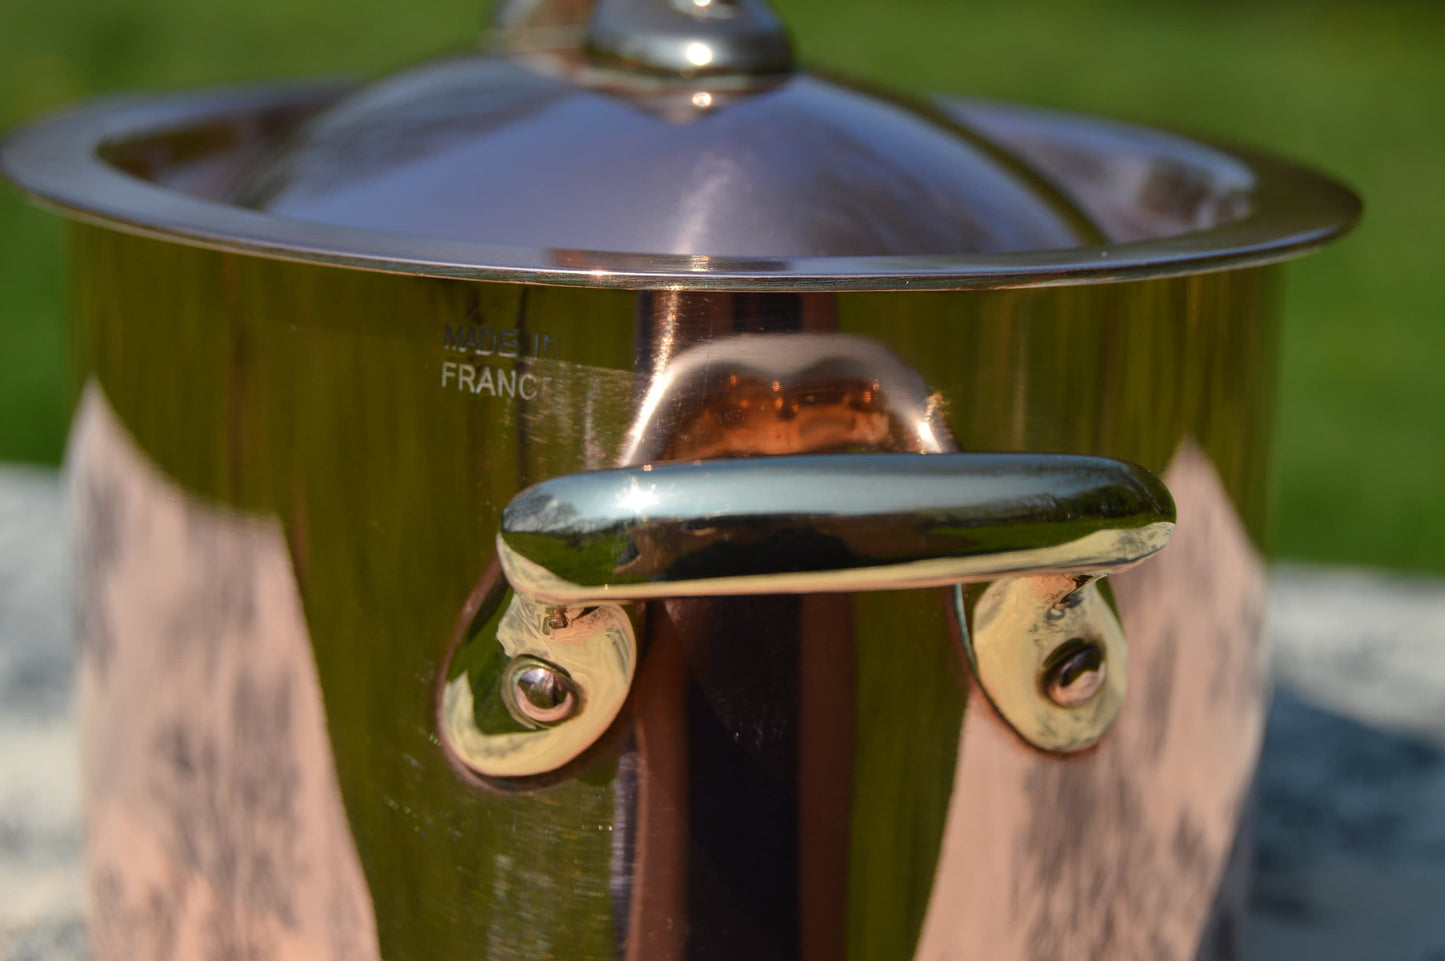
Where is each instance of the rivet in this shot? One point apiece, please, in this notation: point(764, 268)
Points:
point(1075, 673)
point(542, 693)
point(1063, 605)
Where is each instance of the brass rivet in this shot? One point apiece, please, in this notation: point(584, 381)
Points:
point(543, 693)
point(1075, 673)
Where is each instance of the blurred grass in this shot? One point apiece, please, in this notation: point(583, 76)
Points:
point(1357, 87)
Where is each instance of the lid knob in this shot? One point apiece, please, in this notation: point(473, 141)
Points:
point(690, 37)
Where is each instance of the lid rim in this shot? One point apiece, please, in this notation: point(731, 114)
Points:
point(1294, 210)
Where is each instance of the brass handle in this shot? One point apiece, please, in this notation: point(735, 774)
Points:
point(549, 658)
point(843, 522)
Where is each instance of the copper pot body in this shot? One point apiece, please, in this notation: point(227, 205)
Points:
point(287, 495)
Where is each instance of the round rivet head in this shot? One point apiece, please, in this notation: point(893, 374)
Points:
point(542, 693)
point(531, 686)
point(1075, 673)
point(1050, 657)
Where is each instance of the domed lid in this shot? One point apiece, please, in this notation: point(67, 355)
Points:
point(675, 127)
point(668, 144)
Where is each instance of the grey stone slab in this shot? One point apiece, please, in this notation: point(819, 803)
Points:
point(1349, 861)
point(1349, 858)
point(41, 900)
point(1367, 645)
point(35, 648)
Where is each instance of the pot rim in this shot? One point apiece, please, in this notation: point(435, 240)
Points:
point(1292, 210)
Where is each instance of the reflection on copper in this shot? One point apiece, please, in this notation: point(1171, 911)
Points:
point(743, 420)
point(709, 401)
point(825, 774)
point(214, 821)
point(782, 394)
point(1119, 852)
point(666, 309)
point(657, 906)
point(773, 394)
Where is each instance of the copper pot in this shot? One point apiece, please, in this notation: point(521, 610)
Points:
point(617, 495)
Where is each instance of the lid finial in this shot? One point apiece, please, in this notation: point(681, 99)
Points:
point(684, 38)
point(690, 37)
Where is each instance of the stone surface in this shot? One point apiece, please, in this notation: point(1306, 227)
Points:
point(40, 850)
point(1350, 831)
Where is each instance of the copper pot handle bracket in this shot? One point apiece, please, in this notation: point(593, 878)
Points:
point(1042, 528)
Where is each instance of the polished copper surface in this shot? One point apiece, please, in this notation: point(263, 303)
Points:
point(790, 777)
point(526, 152)
point(1169, 206)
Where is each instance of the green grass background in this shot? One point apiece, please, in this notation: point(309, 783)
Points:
point(1357, 88)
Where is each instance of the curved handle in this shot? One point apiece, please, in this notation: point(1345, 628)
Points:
point(842, 522)
point(556, 654)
